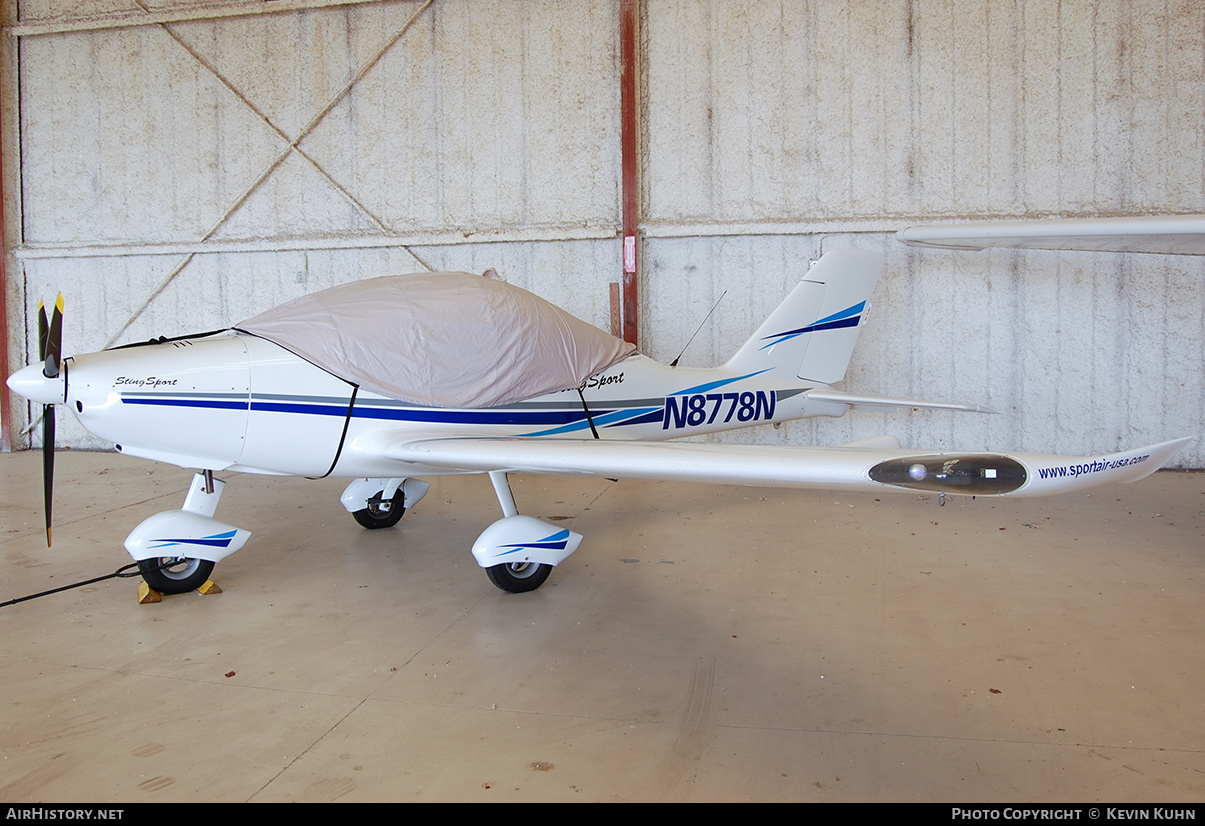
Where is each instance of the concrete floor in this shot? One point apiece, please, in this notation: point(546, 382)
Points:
point(703, 644)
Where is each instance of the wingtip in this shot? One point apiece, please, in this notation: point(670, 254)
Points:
point(1171, 448)
point(1160, 454)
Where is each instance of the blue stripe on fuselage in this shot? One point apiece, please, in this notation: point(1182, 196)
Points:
point(388, 412)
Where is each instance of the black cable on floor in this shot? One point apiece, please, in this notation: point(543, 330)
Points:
point(124, 572)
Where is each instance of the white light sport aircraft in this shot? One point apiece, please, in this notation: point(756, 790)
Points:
point(390, 379)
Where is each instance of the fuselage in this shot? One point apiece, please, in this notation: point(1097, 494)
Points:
point(239, 402)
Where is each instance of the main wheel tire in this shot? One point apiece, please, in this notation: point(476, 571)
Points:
point(518, 577)
point(380, 513)
point(175, 574)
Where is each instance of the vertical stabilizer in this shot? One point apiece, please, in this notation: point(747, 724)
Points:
point(812, 333)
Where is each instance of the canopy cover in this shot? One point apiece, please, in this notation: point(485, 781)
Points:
point(447, 339)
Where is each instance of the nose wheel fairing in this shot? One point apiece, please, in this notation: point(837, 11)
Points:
point(191, 532)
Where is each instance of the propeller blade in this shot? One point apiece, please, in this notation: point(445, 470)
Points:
point(47, 463)
point(50, 352)
point(43, 331)
point(54, 340)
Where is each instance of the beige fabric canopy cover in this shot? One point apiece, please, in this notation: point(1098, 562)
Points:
point(448, 339)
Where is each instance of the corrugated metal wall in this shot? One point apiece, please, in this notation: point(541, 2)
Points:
point(218, 164)
point(778, 130)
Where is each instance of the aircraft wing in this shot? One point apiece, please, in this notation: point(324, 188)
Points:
point(831, 468)
point(1169, 234)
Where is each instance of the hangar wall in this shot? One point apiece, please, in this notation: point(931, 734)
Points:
point(175, 166)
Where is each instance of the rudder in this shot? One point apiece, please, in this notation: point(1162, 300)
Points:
point(812, 333)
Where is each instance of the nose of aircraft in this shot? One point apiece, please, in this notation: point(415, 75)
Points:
point(32, 383)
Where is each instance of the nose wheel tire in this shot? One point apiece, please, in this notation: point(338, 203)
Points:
point(175, 574)
point(518, 577)
point(381, 513)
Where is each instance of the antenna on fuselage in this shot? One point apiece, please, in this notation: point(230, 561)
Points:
point(674, 363)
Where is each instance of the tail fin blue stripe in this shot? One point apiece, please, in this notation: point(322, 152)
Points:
point(849, 317)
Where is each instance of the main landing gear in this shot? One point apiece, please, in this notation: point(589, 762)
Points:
point(381, 512)
point(517, 552)
point(381, 503)
point(518, 577)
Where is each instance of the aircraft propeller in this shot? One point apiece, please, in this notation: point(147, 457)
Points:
point(50, 351)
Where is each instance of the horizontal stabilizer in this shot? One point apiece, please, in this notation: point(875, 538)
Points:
point(876, 401)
